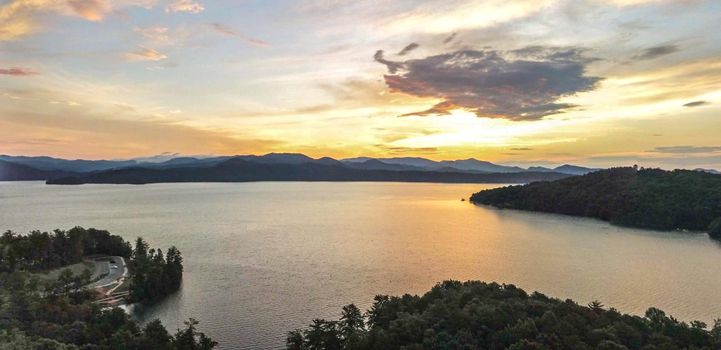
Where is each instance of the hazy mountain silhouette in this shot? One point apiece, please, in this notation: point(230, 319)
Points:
point(271, 167)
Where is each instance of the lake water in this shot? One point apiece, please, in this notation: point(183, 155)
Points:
point(264, 258)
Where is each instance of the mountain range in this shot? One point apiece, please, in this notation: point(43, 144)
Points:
point(271, 167)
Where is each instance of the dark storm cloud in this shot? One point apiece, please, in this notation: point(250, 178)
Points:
point(687, 149)
point(656, 52)
point(696, 103)
point(406, 50)
point(521, 84)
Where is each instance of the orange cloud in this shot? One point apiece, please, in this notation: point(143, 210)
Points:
point(17, 17)
point(17, 71)
point(92, 10)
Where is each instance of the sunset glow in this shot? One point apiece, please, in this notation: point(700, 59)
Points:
point(592, 82)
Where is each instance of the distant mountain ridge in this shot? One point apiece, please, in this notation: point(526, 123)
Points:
point(469, 164)
point(75, 165)
point(10, 171)
point(238, 169)
point(298, 166)
point(399, 163)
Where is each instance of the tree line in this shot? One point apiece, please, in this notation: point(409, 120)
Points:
point(56, 315)
point(644, 198)
point(38, 251)
point(477, 315)
point(154, 275)
point(61, 314)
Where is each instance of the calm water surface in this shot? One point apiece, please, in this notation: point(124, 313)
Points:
point(267, 257)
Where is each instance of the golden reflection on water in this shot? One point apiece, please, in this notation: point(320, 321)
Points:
point(264, 258)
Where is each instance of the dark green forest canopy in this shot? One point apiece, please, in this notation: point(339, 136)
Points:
point(55, 316)
point(153, 274)
point(477, 315)
point(39, 251)
point(61, 314)
point(646, 198)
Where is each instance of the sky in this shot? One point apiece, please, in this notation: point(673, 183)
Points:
point(542, 82)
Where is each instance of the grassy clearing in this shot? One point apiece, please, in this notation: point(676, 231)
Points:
point(75, 268)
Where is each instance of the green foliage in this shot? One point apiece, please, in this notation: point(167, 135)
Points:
point(39, 251)
point(191, 339)
point(646, 198)
point(715, 228)
point(477, 315)
point(154, 275)
point(60, 314)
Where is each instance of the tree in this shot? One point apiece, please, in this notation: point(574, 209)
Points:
point(155, 336)
point(191, 339)
point(141, 250)
point(351, 321)
point(294, 340)
point(322, 335)
point(595, 306)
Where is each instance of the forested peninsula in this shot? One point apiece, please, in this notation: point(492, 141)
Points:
point(45, 305)
point(628, 196)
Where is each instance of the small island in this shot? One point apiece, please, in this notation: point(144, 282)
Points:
point(628, 196)
point(59, 290)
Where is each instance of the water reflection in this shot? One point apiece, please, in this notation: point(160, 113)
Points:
point(264, 258)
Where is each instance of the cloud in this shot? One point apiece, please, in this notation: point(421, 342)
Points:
point(17, 71)
point(145, 54)
point(697, 104)
point(450, 38)
point(189, 6)
point(406, 50)
point(19, 18)
point(157, 34)
point(687, 161)
point(440, 17)
point(393, 67)
point(687, 149)
point(622, 3)
point(656, 52)
point(223, 29)
point(685, 80)
point(92, 10)
point(109, 127)
point(391, 150)
point(80, 134)
point(523, 84)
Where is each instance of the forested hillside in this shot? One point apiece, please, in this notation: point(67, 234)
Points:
point(38, 251)
point(62, 314)
point(477, 315)
point(646, 198)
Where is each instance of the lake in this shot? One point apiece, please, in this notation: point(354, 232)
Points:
point(264, 258)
